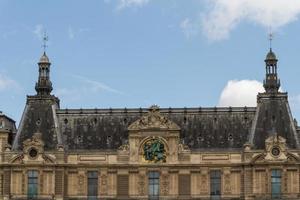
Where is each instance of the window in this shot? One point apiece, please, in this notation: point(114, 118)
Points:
point(2, 124)
point(122, 185)
point(276, 183)
point(92, 185)
point(215, 184)
point(184, 184)
point(153, 185)
point(32, 184)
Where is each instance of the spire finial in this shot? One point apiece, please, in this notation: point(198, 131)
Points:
point(45, 40)
point(271, 37)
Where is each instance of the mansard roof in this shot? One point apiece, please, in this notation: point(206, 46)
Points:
point(200, 128)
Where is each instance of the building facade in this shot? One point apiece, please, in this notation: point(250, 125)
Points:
point(234, 153)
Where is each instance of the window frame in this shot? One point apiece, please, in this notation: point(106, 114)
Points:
point(153, 185)
point(276, 181)
point(32, 184)
point(92, 184)
point(215, 184)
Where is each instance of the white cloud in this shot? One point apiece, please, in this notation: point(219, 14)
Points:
point(131, 3)
point(188, 28)
point(240, 93)
point(224, 15)
point(72, 33)
point(39, 31)
point(7, 83)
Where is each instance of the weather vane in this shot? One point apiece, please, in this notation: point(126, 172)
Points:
point(271, 37)
point(45, 40)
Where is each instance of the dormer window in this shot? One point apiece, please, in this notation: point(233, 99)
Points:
point(2, 124)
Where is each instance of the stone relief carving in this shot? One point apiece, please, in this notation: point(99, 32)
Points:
point(33, 151)
point(153, 120)
point(124, 147)
point(165, 184)
point(183, 148)
point(81, 184)
point(227, 183)
point(275, 148)
point(275, 151)
point(35, 141)
point(203, 183)
point(103, 185)
point(141, 185)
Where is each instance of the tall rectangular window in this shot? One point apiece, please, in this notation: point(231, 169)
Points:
point(122, 185)
point(276, 183)
point(184, 184)
point(92, 185)
point(153, 185)
point(215, 184)
point(32, 184)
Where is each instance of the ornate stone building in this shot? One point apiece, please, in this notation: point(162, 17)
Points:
point(240, 153)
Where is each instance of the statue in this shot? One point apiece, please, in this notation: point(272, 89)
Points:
point(154, 151)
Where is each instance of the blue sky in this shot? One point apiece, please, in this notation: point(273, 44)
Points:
point(135, 53)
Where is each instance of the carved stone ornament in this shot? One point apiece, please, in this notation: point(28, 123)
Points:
point(33, 151)
point(141, 185)
point(183, 148)
point(276, 151)
point(203, 187)
point(103, 179)
point(81, 183)
point(165, 185)
point(275, 148)
point(247, 146)
point(103, 184)
point(153, 120)
point(34, 144)
point(124, 147)
point(227, 183)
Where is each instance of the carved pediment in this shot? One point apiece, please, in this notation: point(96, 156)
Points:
point(276, 148)
point(275, 140)
point(33, 152)
point(153, 120)
point(276, 151)
point(35, 141)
